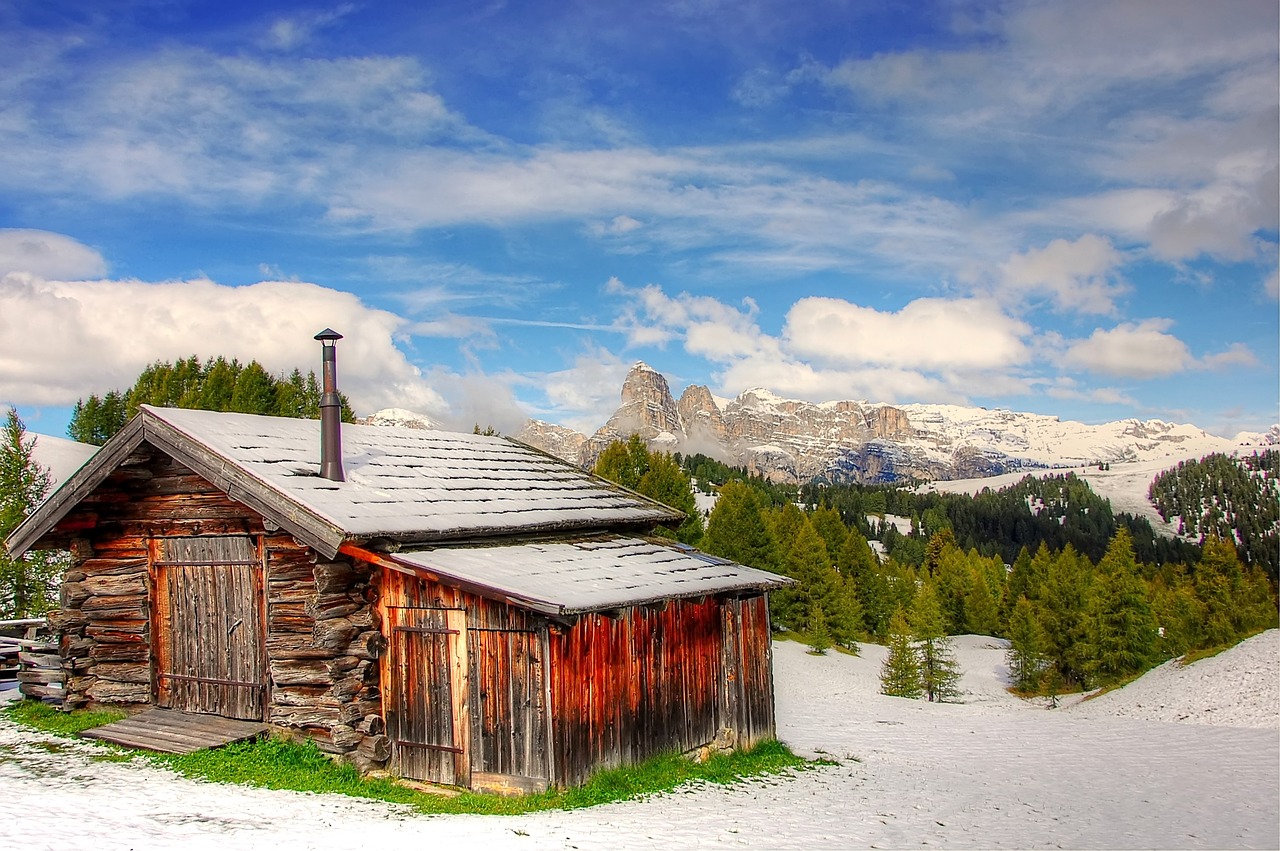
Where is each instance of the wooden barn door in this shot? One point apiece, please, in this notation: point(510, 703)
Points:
point(208, 625)
point(426, 709)
point(509, 745)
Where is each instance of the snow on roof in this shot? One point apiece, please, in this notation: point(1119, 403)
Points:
point(590, 574)
point(412, 484)
point(61, 457)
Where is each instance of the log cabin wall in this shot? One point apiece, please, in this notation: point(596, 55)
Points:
point(320, 637)
point(683, 676)
point(487, 726)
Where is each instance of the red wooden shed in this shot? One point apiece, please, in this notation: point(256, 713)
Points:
point(460, 609)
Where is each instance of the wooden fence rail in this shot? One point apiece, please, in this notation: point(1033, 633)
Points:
point(32, 659)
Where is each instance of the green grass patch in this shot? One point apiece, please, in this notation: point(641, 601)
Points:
point(282, 764)
point(1209, 652)
point(275, 763)
point(50, 719)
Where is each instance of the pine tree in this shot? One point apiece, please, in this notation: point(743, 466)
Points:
point(1062, 607)
point(939, 670)
point(858, 564)
point(981, 600)
point(900, 673)
point(624, 462)
point(829, 525)
point(216, 385)
point(27, 583)
point(657, 476)
point(255, 391)
point(670, 485)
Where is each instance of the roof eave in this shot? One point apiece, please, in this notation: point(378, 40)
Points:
point(237, 483)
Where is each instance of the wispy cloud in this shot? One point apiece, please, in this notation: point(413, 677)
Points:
point(293, 31)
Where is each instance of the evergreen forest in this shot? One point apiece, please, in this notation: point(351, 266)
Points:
point(1235, 498)
point(1086, 596)
point(216, 384)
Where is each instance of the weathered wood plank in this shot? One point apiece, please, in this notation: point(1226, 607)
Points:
point(175, 732)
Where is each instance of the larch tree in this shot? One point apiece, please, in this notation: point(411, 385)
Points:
point(1121, 636)
point(736, 529)
point(939, 670)
point(655, 475)
point(1026, 655)
point(900, 672)
point(860, 567)
point(624, 462)
point(822, 598)
point(670, 485)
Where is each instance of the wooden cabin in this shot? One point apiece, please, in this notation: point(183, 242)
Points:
point(461, 609)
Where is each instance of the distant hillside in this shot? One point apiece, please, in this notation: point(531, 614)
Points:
point(1236, 498)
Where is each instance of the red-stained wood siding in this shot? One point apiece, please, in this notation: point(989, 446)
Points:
point(650, 681)
point(748, 687)
point(621, 689)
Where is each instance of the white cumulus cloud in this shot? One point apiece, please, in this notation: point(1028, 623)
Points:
point(1132, 349)
point(928, 333)
point(1075, 276)
point(62, 340)
point(48, 255)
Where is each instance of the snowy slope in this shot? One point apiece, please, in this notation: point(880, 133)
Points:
point(994, 772)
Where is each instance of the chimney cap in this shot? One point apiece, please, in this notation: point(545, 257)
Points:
point(327, 335)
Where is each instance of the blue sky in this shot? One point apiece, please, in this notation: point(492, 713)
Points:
point(1066, 207)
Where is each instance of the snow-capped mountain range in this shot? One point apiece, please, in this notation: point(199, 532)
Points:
point(792, 440)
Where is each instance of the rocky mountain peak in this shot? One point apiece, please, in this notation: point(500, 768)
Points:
point(399, 418)
point(647, 409)
point(702, 419)
point(795, 440)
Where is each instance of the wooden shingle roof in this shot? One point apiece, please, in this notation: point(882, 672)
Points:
point(572, 576)
point(406, 485)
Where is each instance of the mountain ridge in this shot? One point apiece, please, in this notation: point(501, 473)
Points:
point(791, 440)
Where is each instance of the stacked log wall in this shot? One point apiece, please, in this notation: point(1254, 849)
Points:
point(322, 637)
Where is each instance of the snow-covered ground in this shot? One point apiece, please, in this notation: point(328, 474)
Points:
point(992, 772)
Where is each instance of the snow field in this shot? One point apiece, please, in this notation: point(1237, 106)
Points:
point(993, 772)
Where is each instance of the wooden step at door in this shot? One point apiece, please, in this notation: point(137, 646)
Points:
point(170, 731)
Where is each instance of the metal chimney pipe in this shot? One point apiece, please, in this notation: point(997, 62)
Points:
point(330, 408)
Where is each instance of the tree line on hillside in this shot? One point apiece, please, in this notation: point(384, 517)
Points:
point(1236, 498)
point(1055, 510)
point(216, 384)
point(1072, 619)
